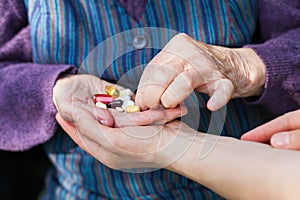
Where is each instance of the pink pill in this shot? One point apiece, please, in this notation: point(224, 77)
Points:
point(103, 98)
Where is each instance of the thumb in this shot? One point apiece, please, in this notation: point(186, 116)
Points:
point(222, 94)
point(179, 89)
point(286, 140)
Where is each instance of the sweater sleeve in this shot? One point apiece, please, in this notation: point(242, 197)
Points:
point(280, 29)
point(27, 113)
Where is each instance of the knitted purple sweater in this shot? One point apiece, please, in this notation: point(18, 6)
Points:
point(26, 108)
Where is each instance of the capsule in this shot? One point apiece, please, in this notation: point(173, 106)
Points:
point(112, 91)
point(127, 103)
point(115, 104)
point(131, 109)
point(103, 98)
point(101, 105)
point(123, 98)
point(125, 92)
point(119, 109)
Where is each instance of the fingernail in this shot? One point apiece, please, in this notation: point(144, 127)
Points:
point(280, 140)
point(104, 122)
point(212, 105)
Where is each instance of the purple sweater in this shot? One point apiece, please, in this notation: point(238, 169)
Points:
point(26, 108)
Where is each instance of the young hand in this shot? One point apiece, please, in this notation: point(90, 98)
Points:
point(282, 132)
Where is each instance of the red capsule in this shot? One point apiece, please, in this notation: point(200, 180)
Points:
point(103, 98)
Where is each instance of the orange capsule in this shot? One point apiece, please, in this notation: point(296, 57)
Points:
point(112, 91)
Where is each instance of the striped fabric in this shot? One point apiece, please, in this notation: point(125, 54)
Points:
point(65, 31)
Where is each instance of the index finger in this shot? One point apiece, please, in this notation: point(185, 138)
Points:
point(157, 76)
point(147, 117)
point(263, 133)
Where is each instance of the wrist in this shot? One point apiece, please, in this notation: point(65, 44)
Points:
point(253, 69)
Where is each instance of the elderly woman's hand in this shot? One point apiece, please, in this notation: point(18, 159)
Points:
point(72, 94)
point(131, 147)
point(76, 92)
point(186, 64)
point(282, 132)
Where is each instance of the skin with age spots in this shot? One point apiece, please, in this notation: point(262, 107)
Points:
point(185, 64)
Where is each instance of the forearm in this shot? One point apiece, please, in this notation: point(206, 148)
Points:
point(27, 113)
point(241, 170)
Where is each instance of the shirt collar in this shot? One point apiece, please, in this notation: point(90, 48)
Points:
point(135, 8)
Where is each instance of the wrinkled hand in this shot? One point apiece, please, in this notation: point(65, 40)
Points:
point(186, 64)
point(74, 93)
point(282, 132)
point(132, 147)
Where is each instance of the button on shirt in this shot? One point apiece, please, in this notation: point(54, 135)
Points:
point(140, 42)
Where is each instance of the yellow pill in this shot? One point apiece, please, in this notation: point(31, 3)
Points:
point(131, 109)
point(112, 91)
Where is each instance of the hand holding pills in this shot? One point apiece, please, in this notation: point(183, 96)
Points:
point(185, 64)
point(80, 96)
point(141, 148)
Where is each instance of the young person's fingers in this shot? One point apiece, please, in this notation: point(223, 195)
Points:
point(287, 140)
point(263, 133)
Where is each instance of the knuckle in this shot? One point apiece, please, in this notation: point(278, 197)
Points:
point(187, 78)
point(167, 103)
point(181, 37)
point(83, 128)
point(287, 120)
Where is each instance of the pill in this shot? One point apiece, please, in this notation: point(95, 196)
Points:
point(123, 98)
point(126, 92)
point(115, 103)
point(104, 98)
point(101, 105)
point(131, 109)
point(127, 103)
point(119, 109)
point(112, 91)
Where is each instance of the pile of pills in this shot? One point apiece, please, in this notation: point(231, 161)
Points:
point(115, 99)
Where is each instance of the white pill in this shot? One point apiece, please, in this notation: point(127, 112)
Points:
point(127, 103)
point(119, 109)
point(101, 105)
point(123, 98)
point(126, 92)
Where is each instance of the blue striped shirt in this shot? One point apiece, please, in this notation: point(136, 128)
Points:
point(66, 31)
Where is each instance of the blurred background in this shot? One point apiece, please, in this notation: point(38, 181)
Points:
point(22, 174)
